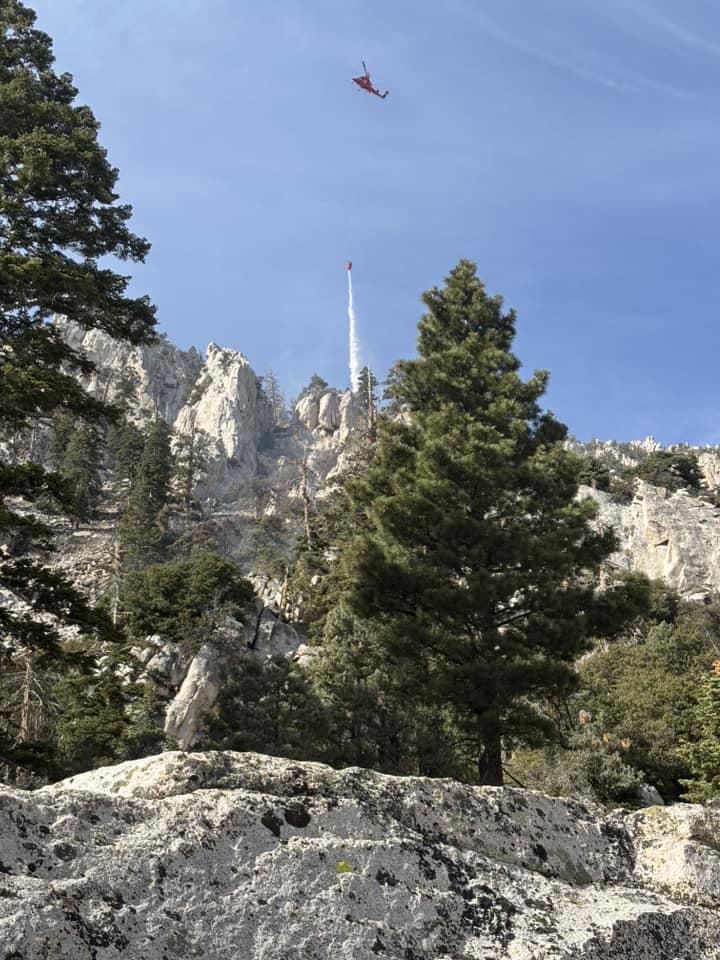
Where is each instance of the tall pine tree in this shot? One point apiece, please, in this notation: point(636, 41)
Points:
point(142, 531)
point(367, 401)
point(80, 468)
point(59, 214)
point(703, 755)
point(477, 565)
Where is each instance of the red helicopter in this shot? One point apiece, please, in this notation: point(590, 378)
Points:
point(365, 83)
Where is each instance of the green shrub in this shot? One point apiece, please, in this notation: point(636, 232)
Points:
point(184, 601)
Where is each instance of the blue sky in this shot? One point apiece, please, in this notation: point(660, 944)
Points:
point(570, 147)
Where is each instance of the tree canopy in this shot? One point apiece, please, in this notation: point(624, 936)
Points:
point(59, 215)
point(477, 565)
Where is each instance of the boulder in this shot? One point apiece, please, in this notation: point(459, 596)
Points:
point(197, 695)
point(224, 855)
point(308, 410)
point(329, 412)
point(649, 796)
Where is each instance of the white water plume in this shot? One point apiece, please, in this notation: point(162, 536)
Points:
point(354, 342)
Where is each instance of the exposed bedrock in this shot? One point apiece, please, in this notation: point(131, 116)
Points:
point(224, 855)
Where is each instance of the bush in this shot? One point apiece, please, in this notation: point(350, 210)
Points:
point(592, 764)
point(647, 692)
point(184, 602)
point(267, 706)
point(672, 470)
point(594, 473)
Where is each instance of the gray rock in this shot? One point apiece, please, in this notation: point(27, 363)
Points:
point(308, 411)
point(226, 406)
point(168, 663)
point(197, 695)
point(284, 640)
point(677, 851)
point(223, 855)
point(305, 654)
point(649, 796)
point(262, 645)
point(349, 416)
point(673, 537)
point(274, 637)
point(165, 374)
point(329, 412)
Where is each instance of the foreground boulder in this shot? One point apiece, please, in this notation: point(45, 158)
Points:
point(225, 855)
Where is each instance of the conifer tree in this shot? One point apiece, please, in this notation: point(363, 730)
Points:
point(106, 721)
point(185, 602)
point(62, 430)
point(58, 216)
point(275, 398)
point(190, 460)
point(123, 439)
point(142, 531)
point(80, 468)
point(703, 755)
point(314, 388)
point(268, 706)
point(367, 401)
point(477, 567)
point(371, 717)
point(124, 449)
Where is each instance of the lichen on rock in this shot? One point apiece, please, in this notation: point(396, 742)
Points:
point(225, 855)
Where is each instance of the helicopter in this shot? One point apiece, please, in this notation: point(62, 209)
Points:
point(365, 83)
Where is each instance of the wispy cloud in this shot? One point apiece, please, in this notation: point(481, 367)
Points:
point(611, 80)
point(660, 21)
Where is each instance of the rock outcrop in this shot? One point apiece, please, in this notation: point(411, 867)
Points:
point(673, 537)
point(254, 457)
point(227, 407)
point(197, 694)
point(223, 855)
point(164, 375)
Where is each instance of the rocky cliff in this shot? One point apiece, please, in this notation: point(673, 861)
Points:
point(222, 396)
point(673, 537)
point(256, 460)
point(221, 856)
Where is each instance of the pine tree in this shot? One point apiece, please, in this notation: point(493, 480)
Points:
point(63, 426)
point(58, 216)
point(477, 570)
point(80, 468)
point(703, 755)
point(123, 439)
point(124, 449)
point(190, 460)
point(142, 531)
point(275, 398)
point(105, 720)
point(268, 706)
point(315, 387)
point(368, 402)
point(371, 718)
point(185, 602)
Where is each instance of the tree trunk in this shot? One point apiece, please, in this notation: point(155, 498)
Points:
point(117, 575)
point(284, 592)
point(305, 490)
point(490, 768)
point(26, 725)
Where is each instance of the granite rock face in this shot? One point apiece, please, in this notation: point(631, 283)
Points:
point(164, 374)
point(673, 537)
point(223, 856)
